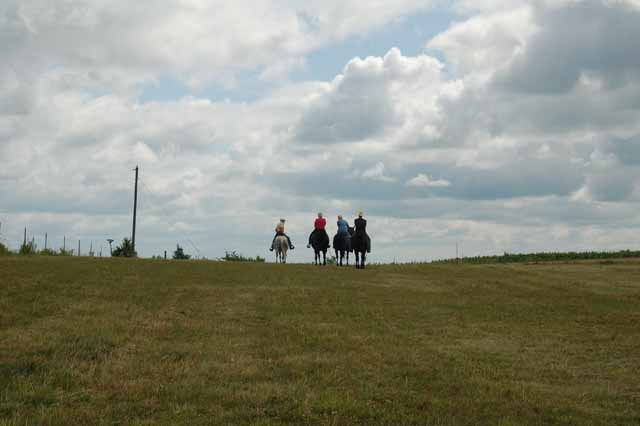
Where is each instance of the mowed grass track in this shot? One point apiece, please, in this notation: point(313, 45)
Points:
point(137, 342)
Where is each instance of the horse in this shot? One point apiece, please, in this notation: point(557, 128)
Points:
point(342, 246)
point(320, 243)
point(281, 246)
point(360, 244)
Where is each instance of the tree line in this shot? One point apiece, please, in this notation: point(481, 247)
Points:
point(545, 257)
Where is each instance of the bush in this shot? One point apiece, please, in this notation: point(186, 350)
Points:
point(235, 257)
point(179, 254)
point(63, 252)
point(28, 249)
point(48, 252)
point(125, 249)
point(4, 251)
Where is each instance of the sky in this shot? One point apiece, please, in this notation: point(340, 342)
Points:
point(499, 126)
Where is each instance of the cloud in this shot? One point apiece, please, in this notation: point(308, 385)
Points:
point(377, 173)
point(426, 181)
point(367, 98)
point(522, 136)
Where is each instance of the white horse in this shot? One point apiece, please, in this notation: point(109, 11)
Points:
point(281, 246)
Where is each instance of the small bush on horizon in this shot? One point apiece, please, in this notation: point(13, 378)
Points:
point(48, 252)
point(234, 256)
point(63, 252)
point(125, 249)
point(179, 254)
point(28, 249)
point(4, 250)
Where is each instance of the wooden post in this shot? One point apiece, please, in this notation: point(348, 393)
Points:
point(24, 243)
point(135, 207)
point(78, 247)
point(165, 255)
point(64, 243)
point(45, 240)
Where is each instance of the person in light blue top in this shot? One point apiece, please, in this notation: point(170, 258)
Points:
point(343, 226)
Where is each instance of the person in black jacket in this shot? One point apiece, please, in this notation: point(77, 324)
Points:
point(361, 228)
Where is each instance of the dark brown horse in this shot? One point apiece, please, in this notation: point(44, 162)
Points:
point(342, 246)
point(320, 243)
point(361, 245)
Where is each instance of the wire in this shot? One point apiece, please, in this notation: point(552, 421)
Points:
point(162, 211)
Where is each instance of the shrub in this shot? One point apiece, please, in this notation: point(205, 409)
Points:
point(125, 249)
point(179, 254)
point(236, 257)
point(28, 249)
point(48, 252)
point(4, 251)
point(63, 252)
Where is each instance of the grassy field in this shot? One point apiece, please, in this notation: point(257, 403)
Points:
point(137, 342)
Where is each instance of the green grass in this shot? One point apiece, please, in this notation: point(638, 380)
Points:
point(133, 342)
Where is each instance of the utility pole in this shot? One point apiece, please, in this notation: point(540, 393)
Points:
point(45, 240)
point(78, 247)
point(135, 207)
point(64, 243)
point(24, 243)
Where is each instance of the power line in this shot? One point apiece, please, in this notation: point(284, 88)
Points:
point(165, 213)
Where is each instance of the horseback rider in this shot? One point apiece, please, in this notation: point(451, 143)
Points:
point(361, 228)
point(343, 226)
point(280, 232)
point(318, 226)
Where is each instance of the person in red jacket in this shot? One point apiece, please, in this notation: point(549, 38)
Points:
point(318, 226)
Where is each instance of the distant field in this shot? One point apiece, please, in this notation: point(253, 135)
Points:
point(139, 342)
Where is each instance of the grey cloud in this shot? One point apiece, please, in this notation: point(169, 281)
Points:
point(574, 39)
point(616, 184)
point(358, 106)
point(626, 150)
point(533, 178)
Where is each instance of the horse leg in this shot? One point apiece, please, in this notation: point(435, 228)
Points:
point(357, 260)
point(364, 258)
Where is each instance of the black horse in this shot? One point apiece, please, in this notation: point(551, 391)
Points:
point(342, 246)
point(320, 244)
point(361, 245)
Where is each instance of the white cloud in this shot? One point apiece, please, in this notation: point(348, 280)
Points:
point(377, 173)
point(426, 181)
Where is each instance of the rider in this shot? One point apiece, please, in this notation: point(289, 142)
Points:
point(343, 226)
point(361, 227)
point(280, 232)
point(318, 226)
